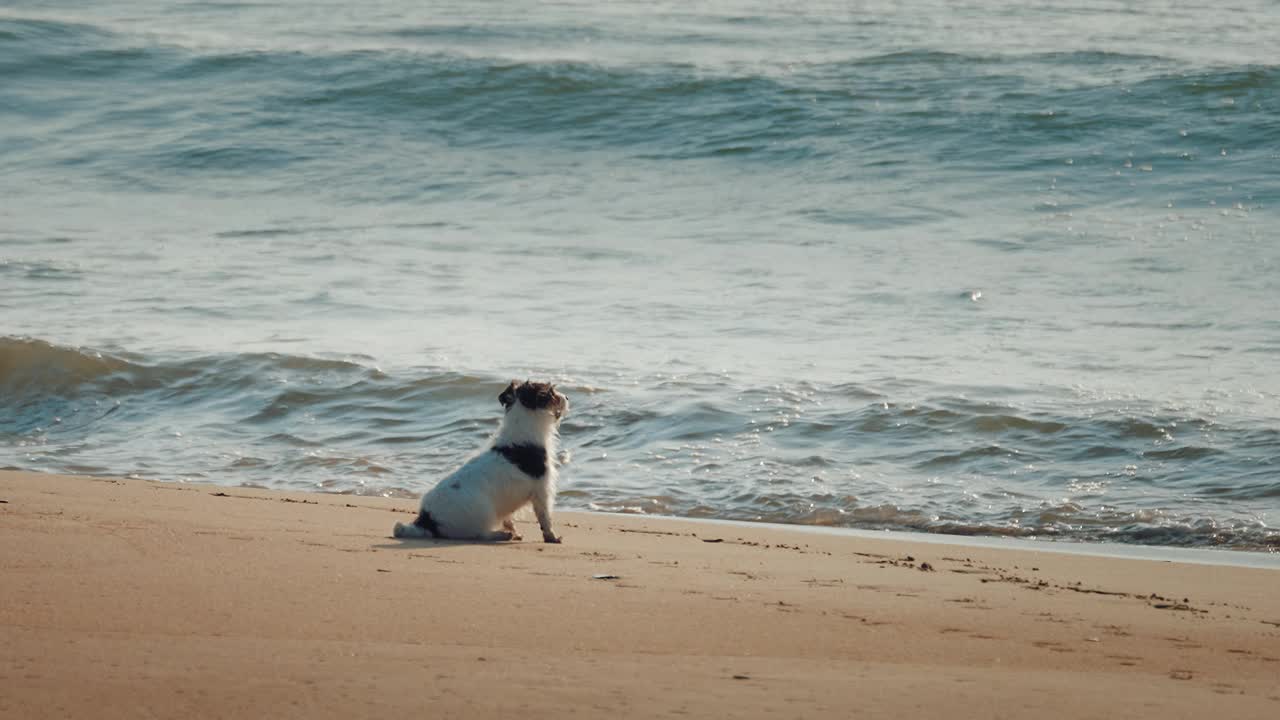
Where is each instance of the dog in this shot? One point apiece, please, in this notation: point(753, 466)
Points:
point(476, 501)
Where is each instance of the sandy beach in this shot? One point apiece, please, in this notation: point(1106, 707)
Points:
point(133, 599)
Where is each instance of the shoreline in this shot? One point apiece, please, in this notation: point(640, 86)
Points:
point(1262, 559)
point(128, 598)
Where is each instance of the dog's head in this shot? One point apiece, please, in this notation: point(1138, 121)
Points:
point(535, 397)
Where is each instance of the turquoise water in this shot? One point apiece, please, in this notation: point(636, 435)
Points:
point(977, 268)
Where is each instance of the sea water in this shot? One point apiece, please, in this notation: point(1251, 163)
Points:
point(986, 267)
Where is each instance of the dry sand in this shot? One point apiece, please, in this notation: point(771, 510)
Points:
point(134, 599)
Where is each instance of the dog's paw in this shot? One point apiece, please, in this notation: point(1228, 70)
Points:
point(549, 538)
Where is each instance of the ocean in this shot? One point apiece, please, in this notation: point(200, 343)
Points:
point(980, 268)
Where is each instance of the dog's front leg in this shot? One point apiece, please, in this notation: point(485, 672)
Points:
point(543, 500)
point(510, 527)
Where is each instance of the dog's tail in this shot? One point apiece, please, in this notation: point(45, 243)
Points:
point(408, 531)
point(423, 526)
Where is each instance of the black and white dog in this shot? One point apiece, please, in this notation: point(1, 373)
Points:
point(477, 500)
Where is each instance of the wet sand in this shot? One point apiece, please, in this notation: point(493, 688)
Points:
point(124, 598)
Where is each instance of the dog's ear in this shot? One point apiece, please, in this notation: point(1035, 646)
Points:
point(559, 403)
point(508, 396)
